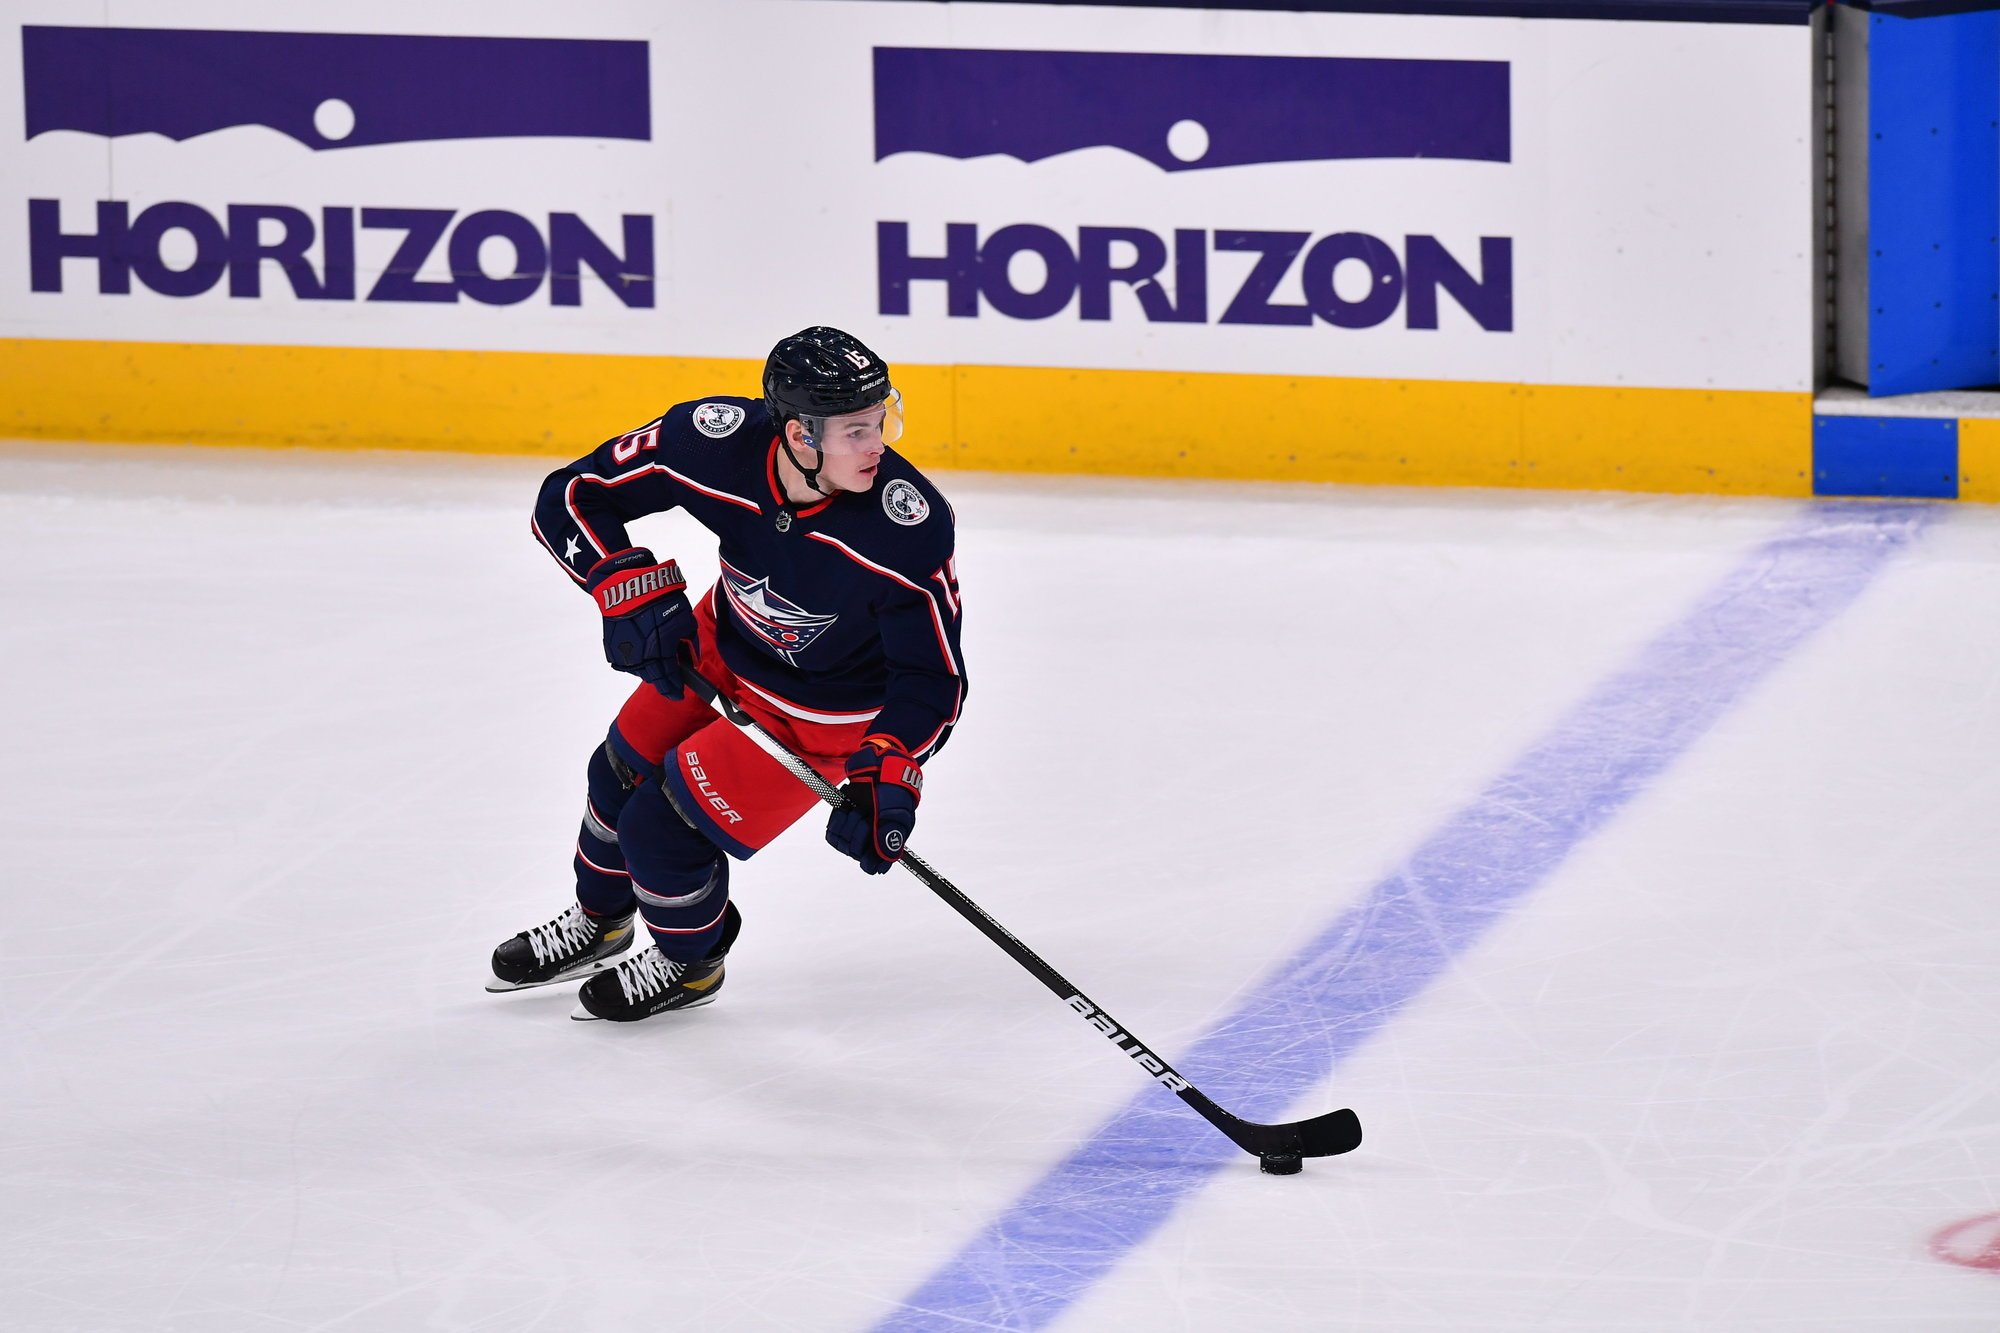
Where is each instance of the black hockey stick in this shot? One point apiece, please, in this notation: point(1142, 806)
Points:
point(1278, 1148)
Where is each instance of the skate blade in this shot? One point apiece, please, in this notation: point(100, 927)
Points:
point(495, 986)
point(583, 1015)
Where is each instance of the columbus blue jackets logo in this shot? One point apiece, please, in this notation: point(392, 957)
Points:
point(783, 626)
point(904, 503)
point(716, 420)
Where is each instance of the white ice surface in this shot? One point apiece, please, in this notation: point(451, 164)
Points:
point(292, 740)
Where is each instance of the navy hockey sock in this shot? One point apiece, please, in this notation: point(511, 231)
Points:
point(603, 884)
point(680, 878)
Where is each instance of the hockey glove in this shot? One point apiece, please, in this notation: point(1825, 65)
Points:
point(646, 616)
point(883, 787)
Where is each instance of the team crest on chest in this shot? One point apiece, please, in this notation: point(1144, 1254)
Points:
point(716, 420)
point(904, 503)
point(784, 626)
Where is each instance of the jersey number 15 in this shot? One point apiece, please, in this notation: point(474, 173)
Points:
point(627, 446)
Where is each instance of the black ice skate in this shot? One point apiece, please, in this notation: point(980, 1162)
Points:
point(573, 945)
point(651, 983)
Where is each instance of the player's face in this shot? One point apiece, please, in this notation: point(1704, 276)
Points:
point(852, 445)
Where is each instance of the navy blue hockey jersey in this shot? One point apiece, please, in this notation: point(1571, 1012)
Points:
point(845, 609)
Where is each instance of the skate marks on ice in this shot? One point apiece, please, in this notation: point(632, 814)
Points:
point(1039, 1256)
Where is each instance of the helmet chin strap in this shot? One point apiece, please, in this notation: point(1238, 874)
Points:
point(809, 474)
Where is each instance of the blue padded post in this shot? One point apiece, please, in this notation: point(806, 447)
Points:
point(1933, 202)
point(1898, 457)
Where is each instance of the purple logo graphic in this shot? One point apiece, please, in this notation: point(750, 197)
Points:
point(332, 90)
point(1185, 112)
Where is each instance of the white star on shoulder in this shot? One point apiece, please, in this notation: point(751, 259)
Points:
point(571, 551)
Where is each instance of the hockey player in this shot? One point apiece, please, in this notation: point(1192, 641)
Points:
point(834, 624)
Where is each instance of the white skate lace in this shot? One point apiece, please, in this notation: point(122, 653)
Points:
point(567, 934)
point(647, 975)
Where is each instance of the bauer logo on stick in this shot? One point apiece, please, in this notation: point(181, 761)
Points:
point(716, 420)
point(904, 503)
point(1129, 1044)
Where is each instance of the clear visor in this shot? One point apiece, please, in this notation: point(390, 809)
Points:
point(859, 432)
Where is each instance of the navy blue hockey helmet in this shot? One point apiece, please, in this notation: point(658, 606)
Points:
point(822, 372)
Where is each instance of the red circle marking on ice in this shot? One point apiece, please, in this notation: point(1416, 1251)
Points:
point(1973, 1243)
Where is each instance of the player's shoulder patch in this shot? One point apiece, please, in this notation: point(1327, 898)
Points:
point(904, 503)
point(716, 420)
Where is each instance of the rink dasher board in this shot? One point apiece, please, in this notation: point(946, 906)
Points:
point(1501, 265)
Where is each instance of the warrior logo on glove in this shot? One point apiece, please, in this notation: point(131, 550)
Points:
point(647, 619)
point(640, 587)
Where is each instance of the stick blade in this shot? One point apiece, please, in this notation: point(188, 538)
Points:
point(1329, 1135)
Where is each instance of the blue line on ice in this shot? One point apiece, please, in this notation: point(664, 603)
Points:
point(1039, 1256)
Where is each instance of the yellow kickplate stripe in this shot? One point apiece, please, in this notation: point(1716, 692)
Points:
point(1691, 441)
point(343, 397)
point(996, 418)
point(1979, 459)
point(1413, 432)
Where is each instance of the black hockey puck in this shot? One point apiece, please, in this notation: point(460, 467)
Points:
point(1280, 1163)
